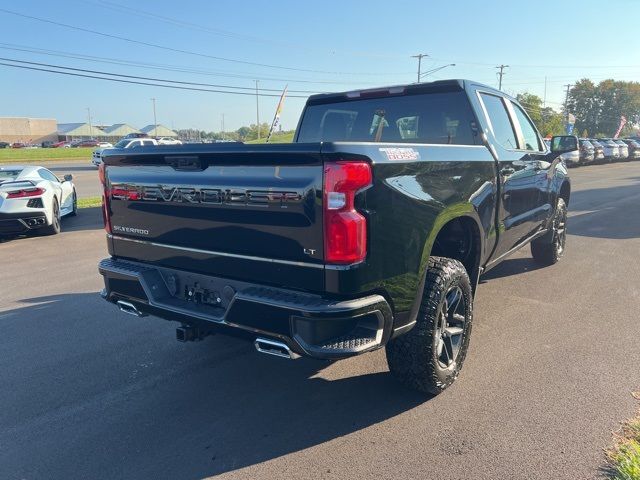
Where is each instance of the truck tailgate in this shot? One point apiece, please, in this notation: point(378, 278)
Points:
point(250, 213)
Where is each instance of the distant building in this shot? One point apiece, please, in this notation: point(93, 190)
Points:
point(158, 131)
point(28, 130)
point(79, 131)
point(119, 130)
point(38, 130)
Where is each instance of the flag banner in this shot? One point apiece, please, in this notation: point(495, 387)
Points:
point(623, 122)
point(276, 117)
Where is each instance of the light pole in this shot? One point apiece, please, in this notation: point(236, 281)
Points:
point(90, 127)
point(223, 126)
point(155, 122)
point(257, 110)
point(434, 70)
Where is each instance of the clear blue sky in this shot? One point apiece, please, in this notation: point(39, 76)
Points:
point(323, 45)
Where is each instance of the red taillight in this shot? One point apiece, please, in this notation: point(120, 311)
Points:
point(25, 193)
point(105, 198)
point(345, 230)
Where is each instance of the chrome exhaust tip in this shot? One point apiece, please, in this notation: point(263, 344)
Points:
point(275, 348)
point(129, 308)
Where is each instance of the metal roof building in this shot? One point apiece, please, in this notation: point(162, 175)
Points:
point(158, 131)
point(79, 131)
point(118, 130)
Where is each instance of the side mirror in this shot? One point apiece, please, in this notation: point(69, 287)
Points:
point(68, 177)
point(564, 144)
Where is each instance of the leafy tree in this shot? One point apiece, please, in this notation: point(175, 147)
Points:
point(598, 107)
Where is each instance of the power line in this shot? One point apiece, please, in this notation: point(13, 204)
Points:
point(120, 80)
point(179, 82)
point(162, 67)
point(224, 33)
point(176, 50)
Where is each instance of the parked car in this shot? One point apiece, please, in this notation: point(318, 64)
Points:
point(634, 148)
point(599, 150)
point(135, 135)
point(168, 141)
point(135, 142)
point(4, 144)
point(105, 145)
point(59, 144)
point(623, 148)
point(587, 151)
point(85, 143)
point(33, 198)
point(47, 144)
point(18, 145)
point(611, 149)
point(300, 247)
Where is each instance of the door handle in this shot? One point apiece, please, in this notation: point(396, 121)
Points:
point(506, 171)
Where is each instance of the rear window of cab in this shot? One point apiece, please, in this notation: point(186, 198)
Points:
point(435, 118)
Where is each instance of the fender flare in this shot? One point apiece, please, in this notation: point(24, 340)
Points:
point(459, 210)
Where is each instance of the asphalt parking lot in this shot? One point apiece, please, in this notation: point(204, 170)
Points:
point(85, 176)
point(88, 392)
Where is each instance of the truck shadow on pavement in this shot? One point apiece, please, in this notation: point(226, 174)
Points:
point(86, 219)
point(511, 266)
point(97, 394)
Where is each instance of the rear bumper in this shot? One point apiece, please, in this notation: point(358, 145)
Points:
point(309, 325)
point(23, 222)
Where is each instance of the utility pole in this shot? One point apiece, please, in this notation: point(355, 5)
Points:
point(90, 127)
point(566, 102)
point(155, 123)
point(223, 126)
point(544, 101)
point(257, 111)
point(500, 74)
point(419, 56)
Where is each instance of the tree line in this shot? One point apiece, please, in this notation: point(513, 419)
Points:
point(597, 109)
point(242, 134)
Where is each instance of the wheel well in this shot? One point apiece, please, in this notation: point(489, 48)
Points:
point(565, 192)
point(460, 239)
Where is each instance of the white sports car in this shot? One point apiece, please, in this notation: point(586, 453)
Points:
point(33, 198)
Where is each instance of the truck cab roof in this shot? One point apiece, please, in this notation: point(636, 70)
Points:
point(450, 85)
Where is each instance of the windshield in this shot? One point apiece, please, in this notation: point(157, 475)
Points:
point(440, 118)
point(122, 143)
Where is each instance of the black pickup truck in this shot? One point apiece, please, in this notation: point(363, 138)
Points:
point(370, 230)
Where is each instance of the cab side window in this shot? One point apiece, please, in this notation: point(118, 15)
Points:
point(500, 121)
point(529, 134)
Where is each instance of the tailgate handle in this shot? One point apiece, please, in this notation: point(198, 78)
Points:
point(185, 162)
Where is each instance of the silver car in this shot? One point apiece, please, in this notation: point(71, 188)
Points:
point(33, 198)
point(623, 148)
point(611, 149)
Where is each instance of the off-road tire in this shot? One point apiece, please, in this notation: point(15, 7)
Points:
point(548, 249)
point(413, 358)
